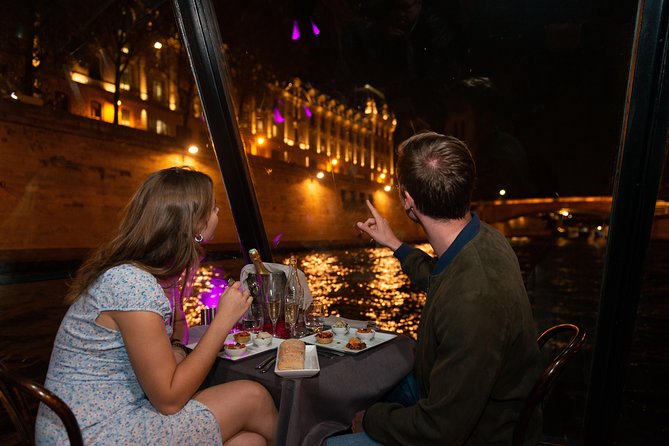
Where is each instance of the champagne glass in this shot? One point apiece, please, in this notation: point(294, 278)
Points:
point(291, 310)
point(253, 319)
point(271, 289)
point(314, 317)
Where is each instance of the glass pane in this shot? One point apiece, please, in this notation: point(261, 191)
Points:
point(644, 414)
point(324, 91)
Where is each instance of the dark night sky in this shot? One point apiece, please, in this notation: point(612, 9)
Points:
point(560, 67)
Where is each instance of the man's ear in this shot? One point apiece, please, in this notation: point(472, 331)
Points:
point(408, 200)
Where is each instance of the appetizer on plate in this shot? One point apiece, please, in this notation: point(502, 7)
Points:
point(263, 339)
point(340, 328)
point(356, 344)
point(366, 334)
point(324, 337)
point(243, 337)
point(236, 349)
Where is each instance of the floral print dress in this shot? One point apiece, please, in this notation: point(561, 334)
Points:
point(90, 371)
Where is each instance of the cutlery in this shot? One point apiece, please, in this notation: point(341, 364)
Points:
point(268, 365)
point(265, 362)
point(325, 355)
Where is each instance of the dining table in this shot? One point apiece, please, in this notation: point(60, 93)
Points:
point(314, 408)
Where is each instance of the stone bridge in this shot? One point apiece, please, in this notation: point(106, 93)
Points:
point(499, 211)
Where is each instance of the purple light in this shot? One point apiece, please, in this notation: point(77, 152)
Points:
point(296, 31)
point(210, 297)
point(315, 29)
point(277, 239)
point(277, 115)
point(307, 111)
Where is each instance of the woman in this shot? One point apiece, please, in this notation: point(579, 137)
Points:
point(113, 362)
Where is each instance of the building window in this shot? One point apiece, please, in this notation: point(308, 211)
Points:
point(96, 110)
point(159, 126)
point(125, 81)
point(125, 117)
point(343, 195)
point(158, 90)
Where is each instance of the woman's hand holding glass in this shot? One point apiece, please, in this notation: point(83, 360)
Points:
point(233, 303)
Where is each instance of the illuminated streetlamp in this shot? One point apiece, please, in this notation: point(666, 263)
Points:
point(157, 45)
point(502, 192)
point(334, 162)
point(387, 188)
point(193, 149)
point(260, 141)
point(320, 175)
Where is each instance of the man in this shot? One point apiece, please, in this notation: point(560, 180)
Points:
point(476, 357)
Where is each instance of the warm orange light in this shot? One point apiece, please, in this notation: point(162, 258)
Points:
point(334, 162)
point(387, 188)
point(320, 175)
point(502, 192)
point(260, 140)
point(193, 149)
point(382, 176)
point(157, 45)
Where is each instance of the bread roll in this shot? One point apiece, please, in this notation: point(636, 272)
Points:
point(291, 355)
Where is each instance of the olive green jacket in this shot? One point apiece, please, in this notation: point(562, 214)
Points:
point(477, 356)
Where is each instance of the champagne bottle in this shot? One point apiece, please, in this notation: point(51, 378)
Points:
point(257, 262)
point(293, 285)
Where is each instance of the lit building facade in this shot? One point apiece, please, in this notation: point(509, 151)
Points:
point(298, 125)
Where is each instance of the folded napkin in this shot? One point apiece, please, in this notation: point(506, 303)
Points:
point(276, 268)
point(353, 323)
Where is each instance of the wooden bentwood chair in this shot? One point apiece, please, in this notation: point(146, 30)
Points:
point(14, 388)
point(547, 379)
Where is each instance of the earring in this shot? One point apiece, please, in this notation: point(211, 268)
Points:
point(199, 238)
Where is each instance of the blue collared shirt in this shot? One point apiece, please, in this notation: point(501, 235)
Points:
point(467, 234)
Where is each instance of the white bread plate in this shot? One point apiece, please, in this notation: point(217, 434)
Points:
point(311, 366)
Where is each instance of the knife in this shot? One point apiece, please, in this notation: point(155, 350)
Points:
point(268, 365)
point(265, 362)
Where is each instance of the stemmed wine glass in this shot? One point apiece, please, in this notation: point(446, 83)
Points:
point(291, 310)
point(271, 289)
point(253, 319)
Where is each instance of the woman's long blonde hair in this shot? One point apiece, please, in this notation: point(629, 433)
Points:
point(157, 230)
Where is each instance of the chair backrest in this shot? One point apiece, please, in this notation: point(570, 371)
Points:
point(547, 379)
point(14, 388)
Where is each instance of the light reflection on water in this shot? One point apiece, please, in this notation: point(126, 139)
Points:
point(368, 283)
point(358, 283)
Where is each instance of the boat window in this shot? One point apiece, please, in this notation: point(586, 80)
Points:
point(323, 92)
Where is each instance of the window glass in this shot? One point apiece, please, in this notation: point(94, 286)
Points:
point(536, 90)
point(643, 417)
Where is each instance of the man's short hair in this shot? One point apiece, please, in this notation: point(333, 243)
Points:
point(438, 172)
